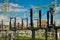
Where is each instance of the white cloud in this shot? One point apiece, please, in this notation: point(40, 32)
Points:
point(18, 20)
point(57, 9)
point(13, 8)
point(14, 5)
point(17, 8)
point(5, 19)
point(20, 10)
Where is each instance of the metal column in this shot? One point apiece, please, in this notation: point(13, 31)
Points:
point(31, 22)
point(39, 18)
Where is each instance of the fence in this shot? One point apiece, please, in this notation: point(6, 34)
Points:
point(44, 32)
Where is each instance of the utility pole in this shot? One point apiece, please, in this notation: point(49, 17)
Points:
point(31, 22)
point(2, 29)
point(39, 18)
point(56, 37)
point(56, 21)
point(2, 24)
point(12, 28)
point(51, 12)
point(47, 28)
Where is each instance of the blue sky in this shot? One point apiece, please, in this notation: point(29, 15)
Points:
point(24, 7)
point(30, 3)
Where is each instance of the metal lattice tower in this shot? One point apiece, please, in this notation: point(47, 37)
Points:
point(55, 19)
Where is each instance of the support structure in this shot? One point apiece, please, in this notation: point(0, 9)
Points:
point(47, 28)
point(31, 22)
point(46, 34)
point(39, 18)
point(56, 37)
point(26, 23)
point(2, 25)
point(13, 28)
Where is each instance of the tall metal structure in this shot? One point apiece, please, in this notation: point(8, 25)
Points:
point(40, 7)
point(55, 19)
point(6, 6)
point(53, 4)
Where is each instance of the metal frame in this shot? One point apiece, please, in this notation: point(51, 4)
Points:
point(35, 23)
point(23, 20)
point(13, 28)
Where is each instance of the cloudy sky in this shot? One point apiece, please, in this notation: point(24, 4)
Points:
point(21, 8)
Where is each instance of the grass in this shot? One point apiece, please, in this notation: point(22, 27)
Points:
point(26, 37)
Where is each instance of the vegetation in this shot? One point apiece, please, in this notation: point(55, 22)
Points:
point(25, 37)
